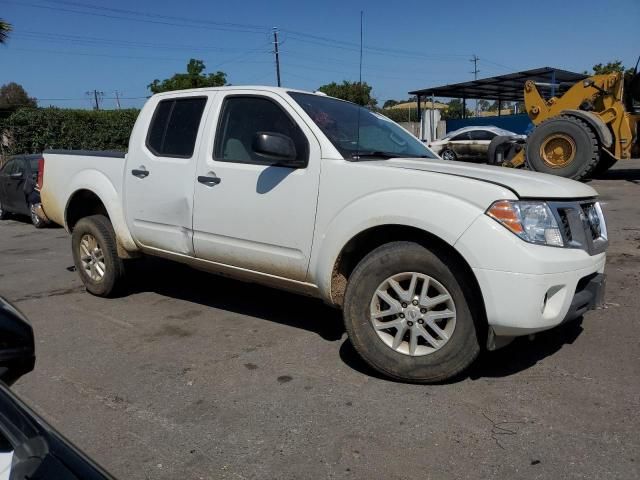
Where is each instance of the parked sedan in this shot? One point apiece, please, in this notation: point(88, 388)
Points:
point(469, 143)
point(19, 191)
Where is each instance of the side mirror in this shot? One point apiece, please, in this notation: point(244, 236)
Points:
point(17, 350)
point(276, 147)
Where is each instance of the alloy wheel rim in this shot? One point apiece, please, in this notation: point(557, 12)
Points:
point(92, 258)
point(558, 150)
point(447, 155)
point(413, 314)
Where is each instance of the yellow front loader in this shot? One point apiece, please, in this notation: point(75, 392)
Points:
point(584, 131)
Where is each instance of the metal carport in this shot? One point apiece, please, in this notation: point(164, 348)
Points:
point(509, 87)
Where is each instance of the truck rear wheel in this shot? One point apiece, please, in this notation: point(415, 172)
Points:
point(564, 146)
point(96, 257)
point(407, 315)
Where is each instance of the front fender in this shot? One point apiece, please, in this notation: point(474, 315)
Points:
point(100, 184)
point(447, 217)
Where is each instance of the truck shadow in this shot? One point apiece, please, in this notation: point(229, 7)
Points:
point(178, 281)
point(627, 174)
point(516, 357)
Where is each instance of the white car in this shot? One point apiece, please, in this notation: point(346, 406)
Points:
point(429, 260)
point(469, 143)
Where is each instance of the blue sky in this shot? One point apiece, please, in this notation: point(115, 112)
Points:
point(61, 49)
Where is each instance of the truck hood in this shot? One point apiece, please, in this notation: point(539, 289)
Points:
point(525, 184)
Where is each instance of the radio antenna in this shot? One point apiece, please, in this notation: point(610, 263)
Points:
point(360, 73)
point(360, 90)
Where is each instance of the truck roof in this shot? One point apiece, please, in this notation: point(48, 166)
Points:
point(262, 88)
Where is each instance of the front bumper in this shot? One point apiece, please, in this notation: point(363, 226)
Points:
point(521, 304)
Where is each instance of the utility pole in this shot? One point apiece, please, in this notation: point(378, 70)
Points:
point(117, 100)
point(475, 72)
point(96, 98)
point(277, 53)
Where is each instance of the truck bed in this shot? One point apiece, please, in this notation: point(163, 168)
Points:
point(68, 171)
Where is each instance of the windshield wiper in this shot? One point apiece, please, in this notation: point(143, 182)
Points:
point(374, 154)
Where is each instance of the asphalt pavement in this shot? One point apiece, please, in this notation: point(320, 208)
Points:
point(193, 376)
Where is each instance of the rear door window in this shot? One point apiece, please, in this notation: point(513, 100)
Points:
point(482, 135)
point(8, 167)
point(461, 137)
point(174, 127)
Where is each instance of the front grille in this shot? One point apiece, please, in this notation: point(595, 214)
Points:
point(565, 228)
point(581, 225)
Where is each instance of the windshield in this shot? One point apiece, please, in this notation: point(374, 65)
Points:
point(378, 136)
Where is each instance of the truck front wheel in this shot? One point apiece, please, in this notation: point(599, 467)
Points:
point(407, 316)
point(95, 256)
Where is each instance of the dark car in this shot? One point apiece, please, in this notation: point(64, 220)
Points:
point(29, 447)
point(19, 192)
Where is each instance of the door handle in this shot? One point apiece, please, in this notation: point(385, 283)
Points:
point(140, 172)
point(209, 181)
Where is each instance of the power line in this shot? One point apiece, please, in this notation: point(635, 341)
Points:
point(85, 5)
point(100, 41)
point(190, 23)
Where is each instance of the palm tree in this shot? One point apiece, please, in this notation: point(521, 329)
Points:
point(5, 28)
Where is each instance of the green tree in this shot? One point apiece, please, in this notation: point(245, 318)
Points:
point(483, 105)
point(355, 92)
point(454, 110)
point(5, 28)
point(390, 103)
point(13, 95)
point(194, 78)
point(611, 67)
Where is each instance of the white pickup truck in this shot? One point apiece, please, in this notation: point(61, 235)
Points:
point(429, 260)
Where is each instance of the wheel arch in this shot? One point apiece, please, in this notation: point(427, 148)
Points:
point(367, 240)
point(93, 193)
point(599, 127)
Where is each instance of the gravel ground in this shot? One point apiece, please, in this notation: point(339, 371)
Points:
point(195, 376)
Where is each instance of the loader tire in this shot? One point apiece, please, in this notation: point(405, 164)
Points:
point(564, 146)
point(96, 256)
point(606, 162)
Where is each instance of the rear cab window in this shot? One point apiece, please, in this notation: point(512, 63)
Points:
point(174, 127)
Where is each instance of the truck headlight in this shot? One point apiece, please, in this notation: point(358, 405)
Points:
point(530, 220)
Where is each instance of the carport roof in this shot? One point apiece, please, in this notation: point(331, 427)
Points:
point(509, 87)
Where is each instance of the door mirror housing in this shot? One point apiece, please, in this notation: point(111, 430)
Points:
point(277, 147)
point(17, 351)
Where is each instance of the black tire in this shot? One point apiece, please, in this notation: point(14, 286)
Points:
point(3, 213)
point(606, 162)
point(100, 228)
point(35, 219)
point(587, 149)
point(451, 155)
point(453, 357)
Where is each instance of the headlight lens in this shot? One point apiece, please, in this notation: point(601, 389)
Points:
point(531, 221)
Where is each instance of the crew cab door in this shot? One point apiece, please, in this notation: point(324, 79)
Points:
point(160, 170)
point(14, 186)
point(5, 178)
point(250, 211)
